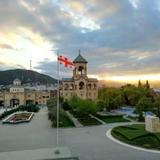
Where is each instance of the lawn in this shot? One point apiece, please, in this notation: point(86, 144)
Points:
point(64, 120)
point(132, 118)
point(85, 119)
point(112, 118)
point(88, 121)
point(137, 135)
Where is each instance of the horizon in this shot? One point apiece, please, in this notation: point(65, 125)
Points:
point(120, 42)
point(109, 82)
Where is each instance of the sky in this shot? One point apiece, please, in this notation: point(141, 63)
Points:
point(119, 38)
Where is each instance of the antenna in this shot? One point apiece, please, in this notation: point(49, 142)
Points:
point(30, 64)
point(79, 51)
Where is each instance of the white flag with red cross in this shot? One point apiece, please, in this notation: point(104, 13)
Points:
point(65, 61)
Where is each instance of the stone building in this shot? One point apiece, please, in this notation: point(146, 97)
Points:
point(80, 85)
point(17, 95)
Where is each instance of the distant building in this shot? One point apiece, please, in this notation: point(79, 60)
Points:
point(19, 95)
point(17, 82)
point(80, 85)
point(16, 87)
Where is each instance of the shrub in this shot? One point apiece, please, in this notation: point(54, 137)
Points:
point(51, 103)
point(66, 105)
point(82, 106)
point(141, 117)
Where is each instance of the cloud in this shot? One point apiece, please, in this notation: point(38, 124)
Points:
point(116, 37)
point(6, 46)
point(6, 66)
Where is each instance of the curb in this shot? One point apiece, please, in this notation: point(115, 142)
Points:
point(108, 134)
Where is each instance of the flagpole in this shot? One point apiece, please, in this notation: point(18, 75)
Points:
point(58, 76)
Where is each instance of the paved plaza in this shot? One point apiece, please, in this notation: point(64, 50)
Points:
point(88, 143)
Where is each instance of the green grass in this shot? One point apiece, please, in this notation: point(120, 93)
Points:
point(85, 119)
point(79, 115)
point(137, 135)
point(133, 118)
point(64, 122)
point(88, 121)
point(112, 118)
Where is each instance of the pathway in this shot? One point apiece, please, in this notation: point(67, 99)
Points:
point(97, 119)
point(75, 120)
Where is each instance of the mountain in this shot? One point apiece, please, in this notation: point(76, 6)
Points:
point(26, 76)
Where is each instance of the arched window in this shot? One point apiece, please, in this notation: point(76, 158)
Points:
point(89, 86)
point(71, 86)
point(81, 85)
point(81, 70)
point(66, 86)
point(95, 86)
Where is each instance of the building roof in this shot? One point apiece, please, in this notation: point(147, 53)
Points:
point(92, 79)
point(80, 59)
point(17, 80)
point(67, 79)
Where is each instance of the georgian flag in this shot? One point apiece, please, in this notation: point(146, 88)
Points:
point(65, 61)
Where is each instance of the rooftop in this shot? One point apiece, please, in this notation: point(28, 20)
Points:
point(92, 79)
point(80, 59)
point(67, 79)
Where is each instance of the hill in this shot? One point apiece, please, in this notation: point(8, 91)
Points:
point(26, 76)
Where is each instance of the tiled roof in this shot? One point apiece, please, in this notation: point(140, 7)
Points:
point(79, 59)
point(67, 79)
point(92, 79)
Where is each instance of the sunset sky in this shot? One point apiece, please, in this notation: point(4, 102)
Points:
point(119, 38)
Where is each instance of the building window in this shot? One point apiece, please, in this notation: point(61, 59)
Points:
point(95, 86)
point(81, 70)
point(71, 86)
point(89, 86)
point(66, 87)
point(81, 85)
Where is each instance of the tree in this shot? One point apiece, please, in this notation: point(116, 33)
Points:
point(157, 105)
point(133, 94)
point(73, 102)
point(66, 105)
point(112, 98)
point(101, 104)
point(139, 84)
point(147, 85)
point(83, 106)
point(86, 107)
point(145, 104)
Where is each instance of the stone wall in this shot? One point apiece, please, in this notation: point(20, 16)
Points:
point(152, 124)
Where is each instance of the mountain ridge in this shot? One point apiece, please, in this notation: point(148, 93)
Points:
point(26, 76)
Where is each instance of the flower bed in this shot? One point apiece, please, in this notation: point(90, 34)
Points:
point(18, 117)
